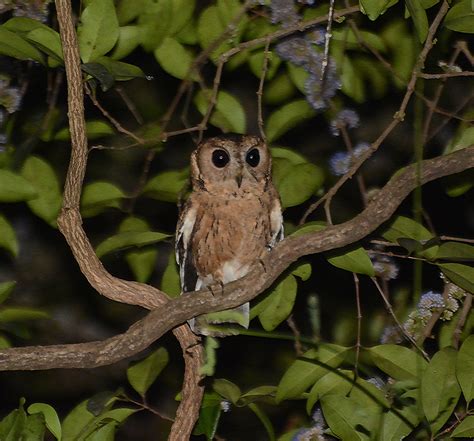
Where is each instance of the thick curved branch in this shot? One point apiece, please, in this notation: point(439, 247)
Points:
point(70, 225)
point(174, 312)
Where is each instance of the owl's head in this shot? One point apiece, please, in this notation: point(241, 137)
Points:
point(233, 162)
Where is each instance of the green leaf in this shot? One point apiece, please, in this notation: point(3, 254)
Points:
point(373, 8)
point(98, 196)
point(209, 415)
point(256, 61)
point(346, 418)
point(303, 271)
point(257, 393)
point(183, 11)
point(264, 419)
point(77, 423)
point(440, 390)
point(8, 239)
point(463, 138)
point(175, 59)
point(460, 17)
point(129, 10)
point(120, 72)
point(228, 114)
point(279, 89)
point(167, 186)
point(22, 25)
point(142, 375)
point(227, 389)
point(394, 427)
point(6, 288)
point(456, 251)
point(99, 72)
point(299, 184)
point(465, 429)
point(170, 282)
point(293, 157)
point(155, 22)
point(12, 426)
point(418, 15)
point(94, 129)
point(34, 428)
point(304, 372)
point(47, 40)
point(309, 227)
point(141, 262)
point(352, 81)
point(4, 342)
point(356, 261)
point(107, 423)
point(20, 313)
point(50, 416)
point(278, 304)
point(42, 176)
point(15, 46)
point(98, 30)
point(129, 239)
point(465, 368)
point(287, 117)
point(128, 40)
point(211, 345)
point(15, 188)
point(404, 227)
point(209, 28)
point(461, 275)
point(351, 40)
point(398, 362)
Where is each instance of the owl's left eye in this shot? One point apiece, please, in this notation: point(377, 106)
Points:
point(253, 157)
point(220, 158)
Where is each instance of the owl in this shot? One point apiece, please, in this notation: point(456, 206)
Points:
point(230, 220)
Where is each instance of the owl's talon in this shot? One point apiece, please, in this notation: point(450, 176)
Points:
point(261, 262)
point(215, 285)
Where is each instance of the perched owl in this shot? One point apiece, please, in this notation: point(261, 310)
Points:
point(230, 220)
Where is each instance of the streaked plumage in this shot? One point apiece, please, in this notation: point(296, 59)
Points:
point(232, 217)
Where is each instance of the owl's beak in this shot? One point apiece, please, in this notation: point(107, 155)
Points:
point(239, 178)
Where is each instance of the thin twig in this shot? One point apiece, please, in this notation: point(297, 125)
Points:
point(130, 104)
point(91, 94)
point(327, 41)
point(266, 55)
point(359, 323)
point(465, 311)
point(297, 334)
point(439, 76)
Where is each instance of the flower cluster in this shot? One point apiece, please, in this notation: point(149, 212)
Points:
point(36, 9)
point(284, 12)
point(306, 52)
point(384, 266)
point(10, 96)
point(347, 118)
point(341, 162)
point(315, 432)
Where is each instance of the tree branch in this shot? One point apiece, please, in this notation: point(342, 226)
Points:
point(172, 313)
point(70, 225)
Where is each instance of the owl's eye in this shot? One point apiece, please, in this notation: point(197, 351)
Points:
point(220, 158)
point(253, 157)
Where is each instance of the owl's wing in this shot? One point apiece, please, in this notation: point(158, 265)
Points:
point(184, 254)
point(276, 223)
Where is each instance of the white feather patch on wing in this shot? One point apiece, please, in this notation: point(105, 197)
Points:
point(276, 224)
point(184, 234)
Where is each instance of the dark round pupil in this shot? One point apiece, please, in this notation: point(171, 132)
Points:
point(253, 157)
point(220, 158)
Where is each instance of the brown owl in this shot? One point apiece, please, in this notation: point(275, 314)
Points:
point(232, 217)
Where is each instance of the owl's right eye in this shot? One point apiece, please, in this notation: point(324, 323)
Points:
point(220, 158)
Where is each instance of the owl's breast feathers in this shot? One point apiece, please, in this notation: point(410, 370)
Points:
point(219, 238)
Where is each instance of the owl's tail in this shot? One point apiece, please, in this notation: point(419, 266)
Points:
point(221, 323)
